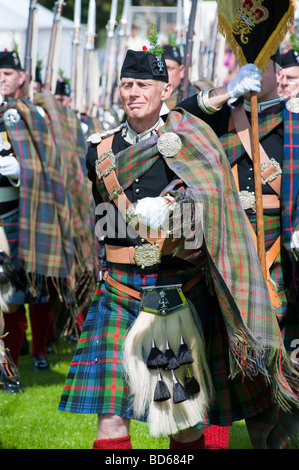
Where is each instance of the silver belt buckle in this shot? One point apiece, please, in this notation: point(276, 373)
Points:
point(108, 170)
point(272, 177)
point(147, 255)
point(247, 199)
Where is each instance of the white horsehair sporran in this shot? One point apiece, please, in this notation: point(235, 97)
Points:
point(165, 363)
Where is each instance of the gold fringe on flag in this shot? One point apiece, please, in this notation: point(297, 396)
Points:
point(230, 22)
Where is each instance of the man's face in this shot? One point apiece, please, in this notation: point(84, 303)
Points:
point(63, 100)
point(10, 82)
point(288, 81)
point(175, 72)
point(142, 99)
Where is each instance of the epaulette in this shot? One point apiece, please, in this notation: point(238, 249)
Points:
point(99, 136)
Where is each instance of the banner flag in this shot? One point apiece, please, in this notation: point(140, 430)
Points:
point(255, 28)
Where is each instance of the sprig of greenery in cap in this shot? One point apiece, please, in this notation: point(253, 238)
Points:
point(294, 40)
point(155, 48)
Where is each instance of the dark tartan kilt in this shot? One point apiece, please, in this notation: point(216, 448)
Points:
point(282, 275)
point(95, 382)
point(21, 294)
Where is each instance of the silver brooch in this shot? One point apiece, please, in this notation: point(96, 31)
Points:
point(293, 105)
point(169, 144)
point(247, 200)
point(265, 165)
point(11, 117)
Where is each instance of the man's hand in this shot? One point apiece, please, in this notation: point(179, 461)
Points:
point(153, 210)
point(295, 240)
point(9, 166)
point(247, 79)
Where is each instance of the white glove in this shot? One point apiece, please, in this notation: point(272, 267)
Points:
point(9, 166)
point(153, 210)
point(247, 79)
point(295, 240)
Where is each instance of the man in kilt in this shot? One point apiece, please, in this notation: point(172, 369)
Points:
point(12, 80)
point(278, 137)
point(146, 352)
point(42, 226)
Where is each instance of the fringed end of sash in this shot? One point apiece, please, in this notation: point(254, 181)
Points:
point(251, 359)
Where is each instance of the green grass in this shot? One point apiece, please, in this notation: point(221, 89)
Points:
point(30, 420)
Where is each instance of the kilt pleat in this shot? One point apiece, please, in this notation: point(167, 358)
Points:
point(21, 294)
point(95, 382)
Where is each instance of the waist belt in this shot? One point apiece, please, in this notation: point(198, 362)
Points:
point(8, 193)
point(137, 295)
point(147, 254)
point(247, 198)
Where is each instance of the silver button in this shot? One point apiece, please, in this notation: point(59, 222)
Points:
point(142, 240)
point(249, 179)
point(137, 191)
point(137, 180)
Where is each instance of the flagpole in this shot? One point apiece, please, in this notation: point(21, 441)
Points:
point(261, 250)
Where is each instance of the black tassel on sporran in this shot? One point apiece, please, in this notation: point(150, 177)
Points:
point(184, 355)
point(191, 385)
point(161, 391)
point(156, 358)
point(179, 392)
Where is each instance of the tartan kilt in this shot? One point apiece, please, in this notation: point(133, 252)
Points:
point(95, 382)
point(21, 293)
point(281, 273)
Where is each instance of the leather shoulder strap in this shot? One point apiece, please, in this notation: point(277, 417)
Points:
point(106, 171)
point(243, 128)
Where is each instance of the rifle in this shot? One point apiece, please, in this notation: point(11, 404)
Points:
point(76, 89)
point(108, 62)
point(90, 67)
point(52, 56)
point(188, 51)
point(29, 61)
point(121, 50)
point(211, 49)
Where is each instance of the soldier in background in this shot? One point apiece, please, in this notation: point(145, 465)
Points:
point(288, 74)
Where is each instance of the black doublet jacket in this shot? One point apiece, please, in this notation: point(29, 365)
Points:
point(151, 184)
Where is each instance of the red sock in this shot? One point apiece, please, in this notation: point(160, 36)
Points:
point(41, 323)
point(118, 443)
point(217, 437)
point(198, 444)
point(15, 325)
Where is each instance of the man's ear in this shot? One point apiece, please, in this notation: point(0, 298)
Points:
point(182, 71)
point(166, 91)
point(22, 78)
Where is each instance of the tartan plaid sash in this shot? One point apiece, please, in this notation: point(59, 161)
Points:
point(231, 141)
point(290, 175)
point(49, 244)
point(255, 340)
